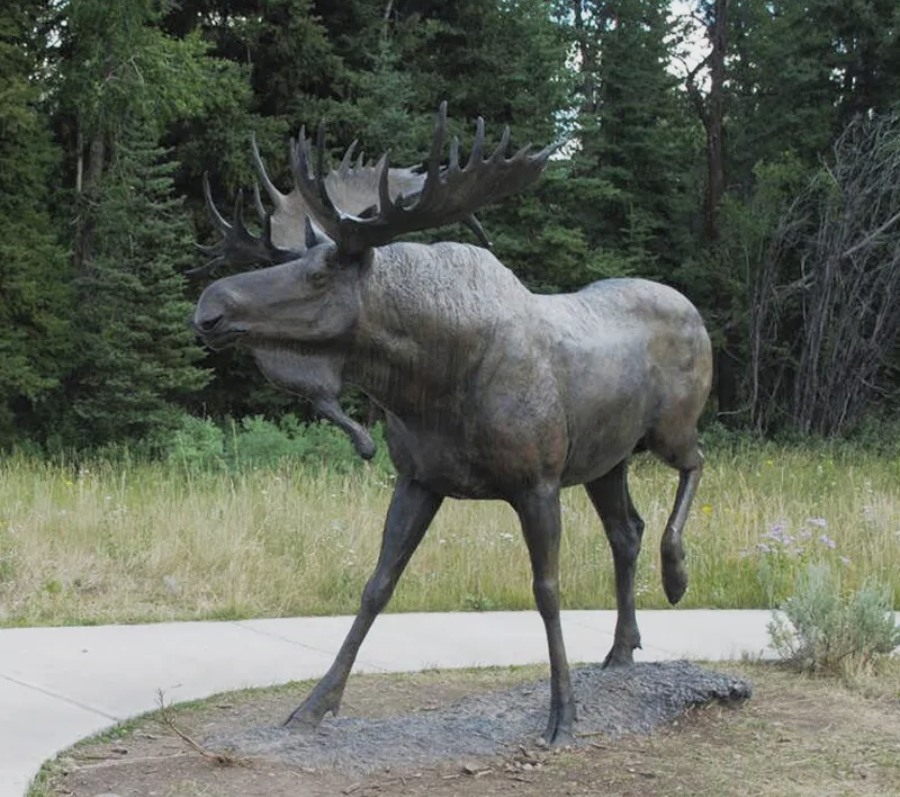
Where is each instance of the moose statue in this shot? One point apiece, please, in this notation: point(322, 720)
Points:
point(489, 391)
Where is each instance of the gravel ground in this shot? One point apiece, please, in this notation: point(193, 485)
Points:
point(612, 702)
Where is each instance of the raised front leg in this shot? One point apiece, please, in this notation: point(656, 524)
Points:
point(538, 512)
point(624, 529)
point(411, 511)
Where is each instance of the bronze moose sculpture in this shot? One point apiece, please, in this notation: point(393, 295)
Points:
point(489, 391)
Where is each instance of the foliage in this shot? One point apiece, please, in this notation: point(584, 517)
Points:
point(82, 80)
point(139, 356)
point(635, 138)
point(200, 445)
point(35, 300)
point(822, 628)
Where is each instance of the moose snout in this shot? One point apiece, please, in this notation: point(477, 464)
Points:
point(212, 320)
point(208, 324)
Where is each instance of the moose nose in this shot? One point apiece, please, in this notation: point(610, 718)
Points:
point(208, 324)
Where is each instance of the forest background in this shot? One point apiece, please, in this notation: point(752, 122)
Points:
point(745, 152)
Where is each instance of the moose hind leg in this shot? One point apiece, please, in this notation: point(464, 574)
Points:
point(624, 530)
point(411, 511)
point(688, 459)
point(539, 515)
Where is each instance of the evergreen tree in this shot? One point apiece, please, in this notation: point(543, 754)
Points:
point(34, 298)
point(631, 184)
point(121, 83)
point(138, 353)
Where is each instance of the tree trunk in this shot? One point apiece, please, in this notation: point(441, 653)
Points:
point(87, 184)
point(587, 48)
point(715, 145)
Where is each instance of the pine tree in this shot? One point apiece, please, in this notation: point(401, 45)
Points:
point(34, 298)
point(139, 355)
point(632, 173)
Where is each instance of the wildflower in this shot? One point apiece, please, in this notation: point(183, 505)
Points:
point(707, 509)
point(845, 561)
point(827, 541)
point(817, 521)
point(778, 533)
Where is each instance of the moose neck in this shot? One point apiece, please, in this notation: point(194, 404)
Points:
point(428, 316)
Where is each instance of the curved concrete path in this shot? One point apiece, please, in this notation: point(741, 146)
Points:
point(58, 685)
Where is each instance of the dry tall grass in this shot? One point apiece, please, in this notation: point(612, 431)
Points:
point(145, 542)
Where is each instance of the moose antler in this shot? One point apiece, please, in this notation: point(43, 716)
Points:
point(448, 195)
point(284, 235)
point(238, 246)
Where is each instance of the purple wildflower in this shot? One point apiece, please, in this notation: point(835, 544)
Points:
point(828, 542)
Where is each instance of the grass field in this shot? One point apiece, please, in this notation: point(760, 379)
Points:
point(144, 542)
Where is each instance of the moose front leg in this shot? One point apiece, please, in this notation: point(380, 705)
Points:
point(411, 511)
point(539, 514)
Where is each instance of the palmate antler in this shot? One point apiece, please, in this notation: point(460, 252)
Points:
point(285, 233)
point(352, 205)
point(449, 194)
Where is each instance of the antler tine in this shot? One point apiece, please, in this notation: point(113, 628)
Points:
point(437, 144)
point(500, 152)
point(312, 186)
point(274, 194)
point(347, 160)
point(453, 163)
point(320, 158)
point(384, 191)
point(475, 158)
point(257, 203)
point(218, 219)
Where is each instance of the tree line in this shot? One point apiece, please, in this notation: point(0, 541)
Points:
point(747, 153)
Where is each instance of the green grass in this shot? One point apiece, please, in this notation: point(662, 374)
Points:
point(145, 542)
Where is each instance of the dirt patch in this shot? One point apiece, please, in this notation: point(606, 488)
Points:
point(796, 737)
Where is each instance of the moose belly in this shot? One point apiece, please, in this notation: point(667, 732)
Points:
point(496, 461)
point(442, 463)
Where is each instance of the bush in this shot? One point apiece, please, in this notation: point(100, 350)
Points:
point(256, 442)
point(197, 443)
point(824, 629)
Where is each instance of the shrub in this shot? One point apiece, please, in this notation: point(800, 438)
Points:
point(822, 628)
point(197, 443)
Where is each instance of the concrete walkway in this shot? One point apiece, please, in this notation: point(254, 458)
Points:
point(58, 685)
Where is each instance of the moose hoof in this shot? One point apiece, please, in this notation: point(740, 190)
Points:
point(303, 719)
point(620, 655)
point(309, 714)
point(674, 581)
point(558, 734)
point(674, 576)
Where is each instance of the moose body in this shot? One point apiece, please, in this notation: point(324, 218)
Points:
point(490, 392)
